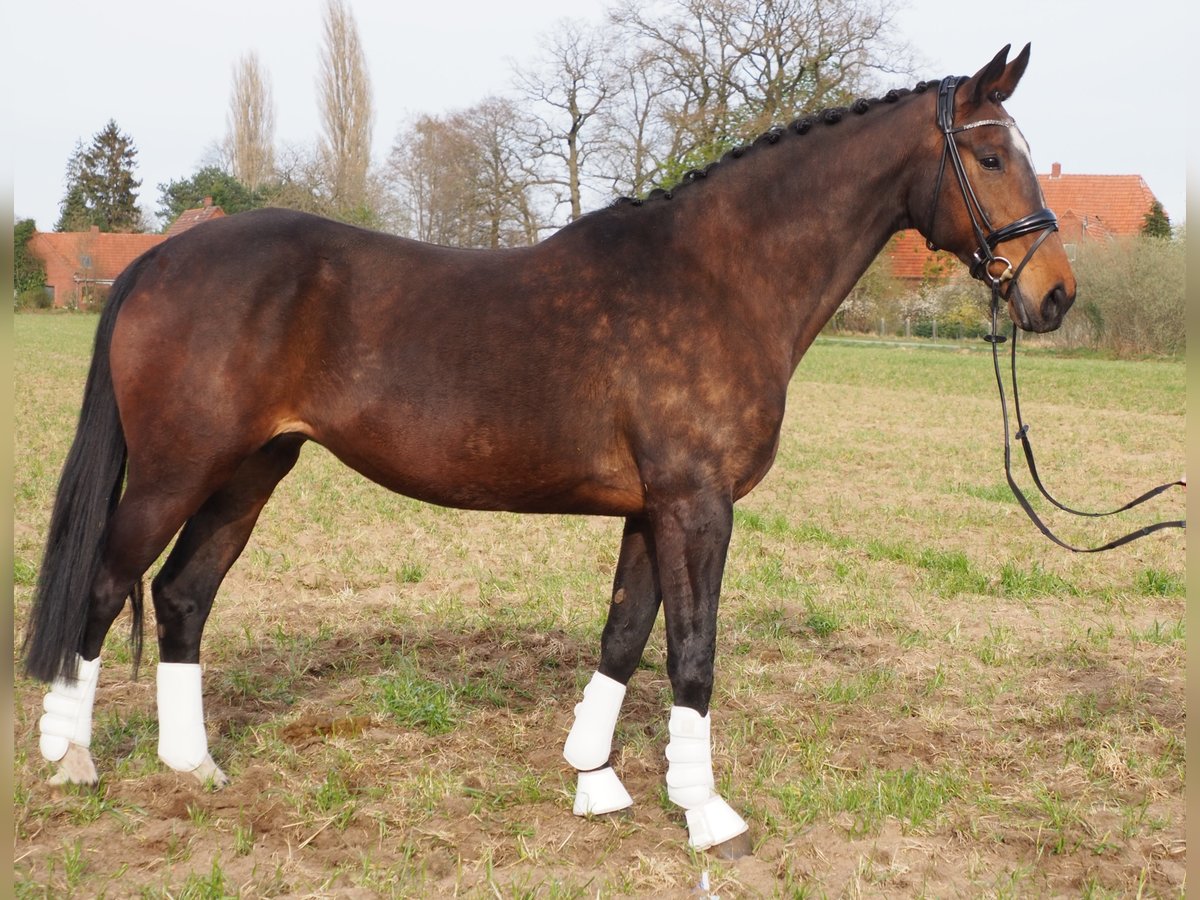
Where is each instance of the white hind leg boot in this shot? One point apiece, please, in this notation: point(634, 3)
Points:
point(182, 741)
point(589, 745)
point(690, 783)
point(66, 727)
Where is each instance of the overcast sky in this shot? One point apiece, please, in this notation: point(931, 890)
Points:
point(1104, 93)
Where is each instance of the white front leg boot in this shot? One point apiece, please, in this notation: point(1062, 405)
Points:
point(589, 745)
point(690, 783)
point(66, 727)
point(182, 741)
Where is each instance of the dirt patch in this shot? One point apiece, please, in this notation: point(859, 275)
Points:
point(328, 799)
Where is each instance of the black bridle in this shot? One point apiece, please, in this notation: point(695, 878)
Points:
point(984, 268)
point(987, 238)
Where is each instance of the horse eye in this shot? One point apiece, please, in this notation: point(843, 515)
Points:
point(990, 162)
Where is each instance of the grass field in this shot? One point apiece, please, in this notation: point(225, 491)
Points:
point(917, 694)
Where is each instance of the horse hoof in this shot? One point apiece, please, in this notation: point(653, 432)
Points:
point(75, 768)
point(734, 848)
point(600, 793)
point(209, 774)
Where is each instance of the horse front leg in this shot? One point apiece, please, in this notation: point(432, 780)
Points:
point(691, 536)
point(631, 614)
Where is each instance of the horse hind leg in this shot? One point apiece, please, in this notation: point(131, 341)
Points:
point(184, 590)
point(632, 611)
point(140, 529)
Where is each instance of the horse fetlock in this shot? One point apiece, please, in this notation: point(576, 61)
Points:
point(600, 792)
point(67, 720)
point(589, 744)
point(75, 767)
point(182, 741)
point(690, 784)
point(689, 758)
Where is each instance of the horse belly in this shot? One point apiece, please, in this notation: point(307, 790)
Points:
point(487, 468)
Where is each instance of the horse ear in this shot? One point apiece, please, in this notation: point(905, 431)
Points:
point(998, 79)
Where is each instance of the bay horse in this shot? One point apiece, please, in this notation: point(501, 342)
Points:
point(633, 364)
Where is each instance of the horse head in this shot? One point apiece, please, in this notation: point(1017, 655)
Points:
point(982, 201)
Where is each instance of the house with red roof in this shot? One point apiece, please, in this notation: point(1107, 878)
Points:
point(1089, 208)
point(190, 218)
point(82, 265)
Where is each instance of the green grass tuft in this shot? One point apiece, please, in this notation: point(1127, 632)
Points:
point(411, 573)
point(1158, 583)
point(858, 687)
point(212, 886)
point(914, 797)
point(1033, 582)
point(822, 621)
point(1159, 634)
point(417, 702)
point(24, 572)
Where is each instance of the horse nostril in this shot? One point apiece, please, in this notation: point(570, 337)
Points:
point(1055, 304)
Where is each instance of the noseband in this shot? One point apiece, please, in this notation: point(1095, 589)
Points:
point(987, 267)
point(995, 271)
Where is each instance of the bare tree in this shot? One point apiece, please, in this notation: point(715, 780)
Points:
point(640, 142)
point(569, 89)
point(460, 179)
point(429, 172)
point(502, 180)
point(732, 67)
point(690, 44)
point(300, 180)
point(250, 136)
point(347, 116)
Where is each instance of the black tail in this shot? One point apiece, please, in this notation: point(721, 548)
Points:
point(88, 492)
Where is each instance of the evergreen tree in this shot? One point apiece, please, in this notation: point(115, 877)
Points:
point(1156, 224)
point(101, 189)
point(73, 213)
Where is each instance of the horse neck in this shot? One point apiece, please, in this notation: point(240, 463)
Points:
point(797, 223)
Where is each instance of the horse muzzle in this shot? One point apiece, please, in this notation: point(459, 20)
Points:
point(1039, 317)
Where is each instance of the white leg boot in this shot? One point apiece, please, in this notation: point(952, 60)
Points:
point(690, 783)
point(66, 727)
point(182, 741)
point(589, 745)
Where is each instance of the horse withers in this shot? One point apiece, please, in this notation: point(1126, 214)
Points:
point(634, 364)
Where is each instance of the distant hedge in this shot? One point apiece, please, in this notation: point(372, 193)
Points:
point(1130, 299)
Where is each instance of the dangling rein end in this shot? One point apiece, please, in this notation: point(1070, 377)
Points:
point(1022, 435)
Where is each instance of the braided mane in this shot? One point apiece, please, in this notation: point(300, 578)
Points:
point(798, 126)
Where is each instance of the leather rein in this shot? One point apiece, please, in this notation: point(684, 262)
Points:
point(995, 271)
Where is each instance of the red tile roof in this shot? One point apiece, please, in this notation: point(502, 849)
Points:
point(1087, 206)
point(92, 255)
point(189, 218)
point(911, 259)
point(1118, 203)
